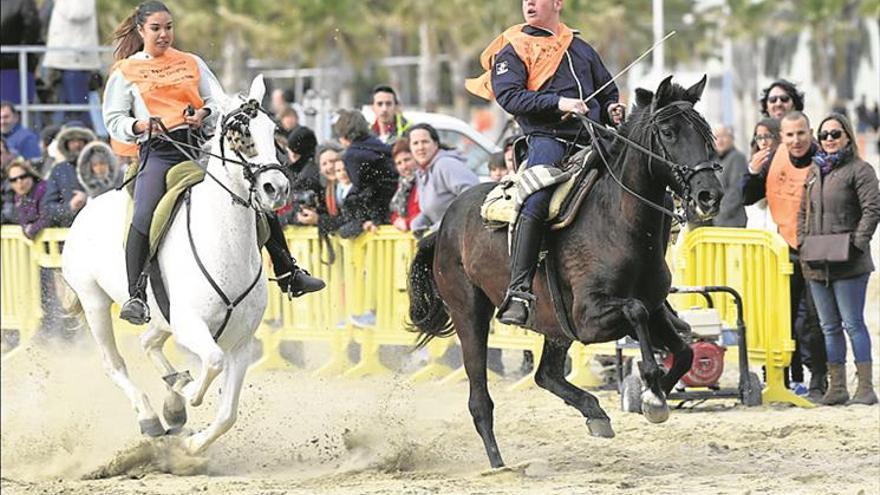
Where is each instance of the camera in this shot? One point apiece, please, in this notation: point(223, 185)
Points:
point(305, 199)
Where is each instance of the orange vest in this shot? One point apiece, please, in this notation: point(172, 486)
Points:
point(785, 188)
point(540, 54)
point(167, 84)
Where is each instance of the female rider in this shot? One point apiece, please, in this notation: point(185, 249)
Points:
point(152, 79)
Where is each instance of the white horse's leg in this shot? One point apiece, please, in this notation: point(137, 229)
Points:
point(97, 312)
point(192, 333)
point(174, 409)
point(237, 361)
point(152, 341)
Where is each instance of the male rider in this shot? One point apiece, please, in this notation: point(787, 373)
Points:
point(538, 71)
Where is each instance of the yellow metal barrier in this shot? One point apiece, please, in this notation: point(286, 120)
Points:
point(376, 280)
point(19, 286)
point(755, 263)
point(317, 317)
point(370, 273)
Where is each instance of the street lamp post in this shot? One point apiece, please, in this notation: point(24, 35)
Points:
point(658, 58)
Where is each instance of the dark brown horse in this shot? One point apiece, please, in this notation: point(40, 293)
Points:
point(612, 273)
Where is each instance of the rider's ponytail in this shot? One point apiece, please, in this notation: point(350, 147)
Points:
point(126, 37)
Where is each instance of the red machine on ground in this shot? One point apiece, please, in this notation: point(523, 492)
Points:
point(709, 345)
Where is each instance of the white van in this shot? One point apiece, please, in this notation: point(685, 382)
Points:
point(453, 132)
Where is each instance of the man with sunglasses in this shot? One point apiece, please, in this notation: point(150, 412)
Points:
point(781, 180)
point(780, 98)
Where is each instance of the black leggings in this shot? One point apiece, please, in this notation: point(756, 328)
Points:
point(150, 184)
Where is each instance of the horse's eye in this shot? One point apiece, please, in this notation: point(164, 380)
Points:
point(667, 133)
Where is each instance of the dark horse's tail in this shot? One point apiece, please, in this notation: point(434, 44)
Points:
point(427, 313)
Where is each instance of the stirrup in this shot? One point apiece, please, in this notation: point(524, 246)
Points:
point(135, 311)
point(527, 299)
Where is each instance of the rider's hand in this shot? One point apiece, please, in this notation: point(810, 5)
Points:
point(758, 160)
point(195, 120)
point(400, 224)
point(307, 216)
point(572, 105)
point(142, 126)
point(369, 226)
point(617, 112)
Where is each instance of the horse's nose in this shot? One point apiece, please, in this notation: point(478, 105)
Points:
point(269, 189)
point(708, 201)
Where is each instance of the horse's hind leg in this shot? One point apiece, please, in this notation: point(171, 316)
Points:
point(174, 409)
point(551, 376)
point(193, 333)
point(100, 324)
point(471, 313)
point(663, 329)
point(237, 361)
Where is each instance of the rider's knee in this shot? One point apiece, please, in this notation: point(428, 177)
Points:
point(537, 205)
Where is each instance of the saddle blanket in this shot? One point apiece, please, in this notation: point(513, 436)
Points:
point(502, 204)
point(179, 178)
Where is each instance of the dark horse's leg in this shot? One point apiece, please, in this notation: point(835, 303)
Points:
point(551, 376)
point(654, 406)
point(471, 313)
point(664, 332)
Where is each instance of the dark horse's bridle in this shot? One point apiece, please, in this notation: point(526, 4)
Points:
point(682, 174)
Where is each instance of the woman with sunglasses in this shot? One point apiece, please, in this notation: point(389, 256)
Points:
point(841, 197)
point(780, 98)
point(765, 140)
point(29, 190)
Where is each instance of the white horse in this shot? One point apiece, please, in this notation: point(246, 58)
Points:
point(224, 235)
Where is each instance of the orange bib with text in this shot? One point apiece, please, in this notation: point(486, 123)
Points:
point(167, 84)
point(785, 188)
point(540, 54)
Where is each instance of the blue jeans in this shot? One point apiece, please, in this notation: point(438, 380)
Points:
point(74, 88)
point(542, 151)
point(841, 306)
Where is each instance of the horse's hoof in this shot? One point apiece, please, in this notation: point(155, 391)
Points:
point(654, 408)
point(151, 427)
point(600, 428)
point(179, 431)
point(174, 411)
point(190, 393)
point(193, 445)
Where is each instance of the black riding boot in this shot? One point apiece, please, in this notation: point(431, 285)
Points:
point(137, 249)
point(292, 279)
point(519, 300)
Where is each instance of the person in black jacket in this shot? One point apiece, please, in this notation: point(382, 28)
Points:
point(538, 72)
point(370, 168)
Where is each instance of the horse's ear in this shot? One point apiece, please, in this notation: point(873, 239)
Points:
point(664, 92)
point(258, 89)
point(694, 93)
point(644, 97)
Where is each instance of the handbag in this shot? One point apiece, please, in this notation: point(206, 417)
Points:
point(823, 248)
point(830, 248)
